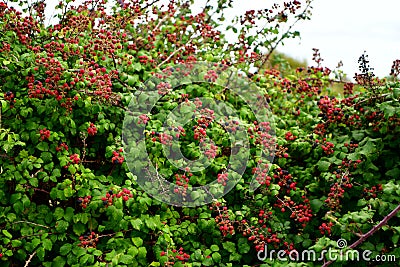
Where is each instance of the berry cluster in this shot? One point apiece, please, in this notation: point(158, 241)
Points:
point(182, 180)
point(222, 178)
point(206, 116)
point(9, 96)
point(259, 236)
point(261, 172)
point(285, 180)
point(75, 158)
point(117, 157)
point(325, 228)
point(92, 130)
point(222, 219)
point(211, 150)
point(163, 138)
point(281, 152)
point(351, 147)
point(89, 240)
point(178, 131)
point(263, 218)
point(290, 137)
point(348, 164)
point(301, 213)
point(334, 196)
point(211, 76)
point(164, 88)
point(174, 255)
point(348, 88)
point(372, 192)
point(143, 119)
point(200, 131)
point(44, 134)
point(84, 201)
point(326, 146)
point(108, 200)
point(61, 145)
point(126, 194)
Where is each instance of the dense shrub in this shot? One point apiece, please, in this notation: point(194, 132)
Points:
point(67, 193)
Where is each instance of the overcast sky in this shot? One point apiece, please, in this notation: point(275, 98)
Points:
point(341, 29)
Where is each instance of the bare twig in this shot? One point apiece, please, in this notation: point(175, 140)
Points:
point(36, 224)
point(149, 5)
point(273, 48)
point(29, 259)
point(371, 98)
point(170, 56)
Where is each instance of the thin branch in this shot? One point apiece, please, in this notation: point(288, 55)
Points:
point(159, 24)
point(36, 224)
point(370, 232)
point(149, 5)
point(285, 34)
point(29, 259)
point(371, 98)
point(170, 56)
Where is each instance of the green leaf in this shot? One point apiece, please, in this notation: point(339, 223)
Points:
point(142, 252)
point(316, 204)
point(47, 244)
point(216, 257)
point(6, 233)
point(58, 213)
point(79, 228)
point(214, 248)
point(137, 241)
point(323, 165)
point(43, 146)
point(84, 259)
point(16, 243)
point(40, 253)
point(69, 213)
point(65, 249)
point(136, 223)
point(126, 259)
point(243, 246)
point(229, 246)
point(62, 226)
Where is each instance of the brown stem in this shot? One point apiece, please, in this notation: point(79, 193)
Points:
point(370, 232)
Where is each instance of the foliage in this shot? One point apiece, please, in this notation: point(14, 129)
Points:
point(68, 197)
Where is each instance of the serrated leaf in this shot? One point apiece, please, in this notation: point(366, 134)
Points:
point(65, 249)
point(323, 165)
point(142, 252)
point(126, 259)
point(229, 246)
point(243, 246)
point(47, 244)
point(137, 241)
point(316, 204)
point(214, 248)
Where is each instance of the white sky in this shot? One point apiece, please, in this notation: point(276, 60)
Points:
point(341, 29)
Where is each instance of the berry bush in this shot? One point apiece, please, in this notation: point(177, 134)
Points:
point(69, 190)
